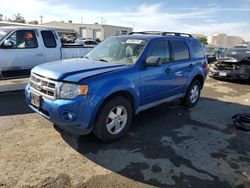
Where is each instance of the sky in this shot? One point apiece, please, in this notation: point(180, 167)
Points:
point(196, 17)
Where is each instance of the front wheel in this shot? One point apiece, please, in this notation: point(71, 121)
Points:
point(193, 94)
point(114, 119)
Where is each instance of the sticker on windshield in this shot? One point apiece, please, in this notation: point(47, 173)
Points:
point(234, 53)
point(134, 41)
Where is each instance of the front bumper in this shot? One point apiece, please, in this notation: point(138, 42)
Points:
point(236, 74)
point(82, 108)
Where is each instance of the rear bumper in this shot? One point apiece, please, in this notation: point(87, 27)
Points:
point(229, 74)
point(82, 109)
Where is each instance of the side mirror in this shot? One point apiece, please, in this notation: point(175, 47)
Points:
point(8, 44)
point(153, 61)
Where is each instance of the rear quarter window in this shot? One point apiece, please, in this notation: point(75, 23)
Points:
point(180, 50)
point(197, 49)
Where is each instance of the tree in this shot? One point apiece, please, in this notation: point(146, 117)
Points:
point(202, 39)
point(1, 17)
point(33, 22)
point(18, 18)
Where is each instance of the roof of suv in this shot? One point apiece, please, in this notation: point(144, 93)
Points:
point(158, 34)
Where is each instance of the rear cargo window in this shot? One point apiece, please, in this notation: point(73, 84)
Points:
point(48, 39)
point(180, 49)
point(197, 49)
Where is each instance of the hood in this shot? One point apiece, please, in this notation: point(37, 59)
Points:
point(74, 70)
point(235, 57)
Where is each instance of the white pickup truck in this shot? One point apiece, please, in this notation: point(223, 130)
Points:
point(21, 49)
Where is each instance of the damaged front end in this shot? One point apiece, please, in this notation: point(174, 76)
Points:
point(231, 68)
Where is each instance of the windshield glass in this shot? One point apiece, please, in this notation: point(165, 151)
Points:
point(211, 50)
point(235, 51)
point(4, 32)
point(120, 50)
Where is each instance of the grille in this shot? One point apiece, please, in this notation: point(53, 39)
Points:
point(43, 86)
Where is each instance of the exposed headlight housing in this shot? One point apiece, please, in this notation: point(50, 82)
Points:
point(71, 91)
point(229, 59)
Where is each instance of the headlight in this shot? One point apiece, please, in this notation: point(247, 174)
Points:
point(70, 91)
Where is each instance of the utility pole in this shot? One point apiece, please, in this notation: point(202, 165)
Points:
point(41, 19)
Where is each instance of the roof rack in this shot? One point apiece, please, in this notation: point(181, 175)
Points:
point(161, 33)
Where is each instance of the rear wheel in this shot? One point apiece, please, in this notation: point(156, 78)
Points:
point(193, 94)
point(114, 119)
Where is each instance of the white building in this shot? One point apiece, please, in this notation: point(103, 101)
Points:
point(222, 39)
point(59, 29)
point(94, 31)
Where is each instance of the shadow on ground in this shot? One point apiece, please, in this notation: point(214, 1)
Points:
point(13, 103)
point(172, 146)
point(242, 82)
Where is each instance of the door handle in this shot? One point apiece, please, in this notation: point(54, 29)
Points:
point(39, 54)
point(167, 70)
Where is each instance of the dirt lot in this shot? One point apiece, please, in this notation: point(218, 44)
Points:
point(168, 146)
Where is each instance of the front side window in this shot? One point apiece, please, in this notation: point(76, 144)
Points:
point(48, 39)
point(180, 49)
point(120, 50)
point(23, 39)
point(160, 49)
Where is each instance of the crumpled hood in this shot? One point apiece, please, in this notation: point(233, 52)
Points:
point(74, 70)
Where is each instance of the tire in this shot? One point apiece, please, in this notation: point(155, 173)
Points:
point(114, 119)
point(193, 94)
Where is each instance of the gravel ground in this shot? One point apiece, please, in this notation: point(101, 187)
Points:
point(168, 146)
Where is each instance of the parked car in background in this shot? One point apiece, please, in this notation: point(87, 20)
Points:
point(68, 38)
point(86, 42)
point(212, 53)
point(233, 64)
point(120, 77)
point(21, 49)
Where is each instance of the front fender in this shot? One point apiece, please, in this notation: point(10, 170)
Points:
point(117, 85)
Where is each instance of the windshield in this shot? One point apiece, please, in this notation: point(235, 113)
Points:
point(4, 32)
point(235, 51)
point(211, 50)
point(120, 50)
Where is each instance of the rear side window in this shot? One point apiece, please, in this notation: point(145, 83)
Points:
point(180, 50)
point(160, 49)
point(48, 39)
point(197, 49)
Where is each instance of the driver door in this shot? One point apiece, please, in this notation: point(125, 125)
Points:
point(23, 55)
point(157, 82)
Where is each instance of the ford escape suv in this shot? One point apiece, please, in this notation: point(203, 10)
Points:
point(122, 76)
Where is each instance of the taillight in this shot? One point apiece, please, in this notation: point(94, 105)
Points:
point(205, 64)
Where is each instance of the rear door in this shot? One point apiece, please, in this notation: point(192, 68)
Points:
point(52, 46)
point(24, 54)
point(181, 64)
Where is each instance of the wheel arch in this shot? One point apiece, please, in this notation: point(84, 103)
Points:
point(200, 78)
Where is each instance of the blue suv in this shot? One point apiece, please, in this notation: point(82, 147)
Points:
point(121, 77)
